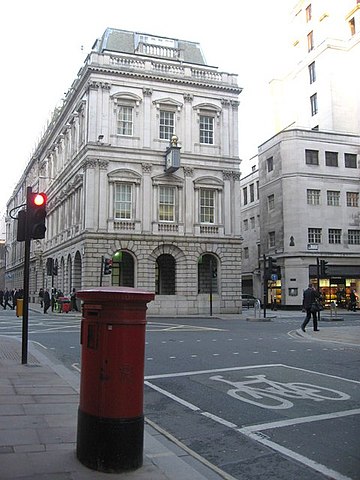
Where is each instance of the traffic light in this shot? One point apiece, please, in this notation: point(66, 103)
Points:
point(107, 266)
point(323, 268)
point(36, 214)
point(21, 226)
point(272, 269)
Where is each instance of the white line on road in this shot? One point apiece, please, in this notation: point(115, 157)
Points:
point(297, 421)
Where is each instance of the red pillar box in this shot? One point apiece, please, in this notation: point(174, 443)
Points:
point(110, 432)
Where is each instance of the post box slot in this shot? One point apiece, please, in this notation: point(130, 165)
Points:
point(92, 336)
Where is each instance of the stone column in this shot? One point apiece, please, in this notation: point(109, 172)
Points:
point(189, 199)
point(147, 123)
point(228, 205)
point(146, 203)
point(90, 194)
point(103, 199)
point(225, 129)
point(187, 140)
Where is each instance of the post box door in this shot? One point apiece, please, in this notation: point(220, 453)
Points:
point(122, 371)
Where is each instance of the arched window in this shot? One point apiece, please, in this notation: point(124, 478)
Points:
point(122, 270)
point(165, 271)
point(207, 274)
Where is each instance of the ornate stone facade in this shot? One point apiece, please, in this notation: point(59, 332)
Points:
point(103, 168)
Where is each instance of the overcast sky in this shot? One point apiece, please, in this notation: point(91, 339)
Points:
point(44, 44)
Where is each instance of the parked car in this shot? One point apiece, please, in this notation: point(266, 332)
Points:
point(248, 300)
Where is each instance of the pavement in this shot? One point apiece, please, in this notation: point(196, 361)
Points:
point(38, 420)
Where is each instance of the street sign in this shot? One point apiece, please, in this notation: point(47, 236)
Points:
point(274, 277)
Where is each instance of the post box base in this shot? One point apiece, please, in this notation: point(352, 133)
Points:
point(110, 445)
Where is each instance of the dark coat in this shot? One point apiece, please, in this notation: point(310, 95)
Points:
point(310, 296)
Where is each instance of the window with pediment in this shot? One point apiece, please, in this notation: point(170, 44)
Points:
point(207, 119)
point(125, 108)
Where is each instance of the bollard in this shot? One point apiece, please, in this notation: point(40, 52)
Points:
point(19, 307)
point(110, 431)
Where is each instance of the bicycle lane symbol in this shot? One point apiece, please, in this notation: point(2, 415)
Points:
point(269, 394)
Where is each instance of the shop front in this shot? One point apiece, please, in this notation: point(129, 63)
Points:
point(339, 282)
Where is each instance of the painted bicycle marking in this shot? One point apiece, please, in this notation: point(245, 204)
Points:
point(265, 393)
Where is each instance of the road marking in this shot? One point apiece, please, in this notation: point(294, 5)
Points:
point(177, 399)
point(297, 421)
point(216, 370)
point(262, 438)
point(300, 458)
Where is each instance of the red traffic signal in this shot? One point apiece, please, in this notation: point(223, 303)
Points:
point(36, 214)
point(107, 266)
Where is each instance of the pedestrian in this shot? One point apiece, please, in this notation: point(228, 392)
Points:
point(7, 298)
point(352, 303)
point(41, 297)
point(73, 300)
point(310, 301)
point(47, 301)
point(2, 298)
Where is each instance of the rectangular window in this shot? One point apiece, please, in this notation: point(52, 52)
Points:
point(271, 202)
point(314, 104)
point(314, 235)
point(354, 237)
point(313, 196)
point(333, 198)
point(252, 222)
point(123, 201)
point(167, 124)
point(310, 41)
point(252, 193)
point(257, 190)
point(312, 157)
point(125, 121)
point(207, 206)
point(270, 164)
point(334, 235)
point(271, 239)
point(352, 199)
point(350, 160)
point(308, 13)
point(246, 252)
point(245, 197)
point(206, 129)
point(352, 26)
point(331, 159)
point(166, 204)
point(246, 224)
point(312, 73)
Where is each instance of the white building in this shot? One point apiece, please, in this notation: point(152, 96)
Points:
point(170, 228)
point(309, 172)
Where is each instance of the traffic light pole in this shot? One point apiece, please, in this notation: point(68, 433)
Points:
point(25, 322)
point(265, 286)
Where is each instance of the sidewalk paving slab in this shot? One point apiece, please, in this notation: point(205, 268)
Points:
point(38, 426)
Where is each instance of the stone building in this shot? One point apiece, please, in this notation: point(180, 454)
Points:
point(309, 171)
point(140, 165)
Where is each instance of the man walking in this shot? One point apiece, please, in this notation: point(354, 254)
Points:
point(309, 303)
point(46, 300)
